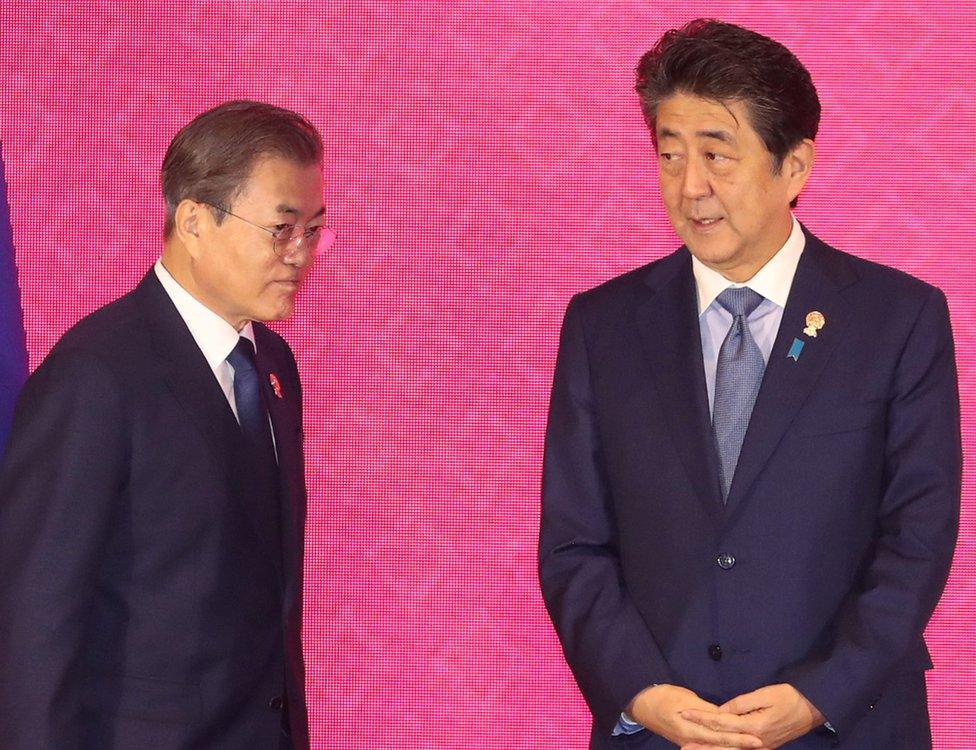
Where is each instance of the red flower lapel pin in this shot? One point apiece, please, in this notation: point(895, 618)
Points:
point(275, 385)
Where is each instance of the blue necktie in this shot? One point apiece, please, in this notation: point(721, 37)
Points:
point(251, 413)
point(737, 379)
point(259, 465)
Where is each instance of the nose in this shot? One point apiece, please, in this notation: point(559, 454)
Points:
point(298, 254)
point(694, 183)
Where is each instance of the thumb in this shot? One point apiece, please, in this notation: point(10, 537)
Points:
point(745, 703)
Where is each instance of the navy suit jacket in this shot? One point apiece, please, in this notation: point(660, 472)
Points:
point(831, 553)
point(143, 603)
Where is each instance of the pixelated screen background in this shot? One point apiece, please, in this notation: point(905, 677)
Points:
point(485, 160)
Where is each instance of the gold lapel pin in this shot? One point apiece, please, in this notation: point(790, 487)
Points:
point(815, 321)
point(275, 385)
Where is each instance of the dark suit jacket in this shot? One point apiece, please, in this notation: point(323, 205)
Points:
point(142, 602)
point(832, 551)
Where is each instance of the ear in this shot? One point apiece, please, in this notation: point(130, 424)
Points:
point(187, 220)
point(798, 164)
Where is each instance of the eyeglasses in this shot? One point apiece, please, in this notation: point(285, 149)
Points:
point(291, 238)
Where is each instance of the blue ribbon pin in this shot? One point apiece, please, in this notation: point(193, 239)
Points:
point(795, 350)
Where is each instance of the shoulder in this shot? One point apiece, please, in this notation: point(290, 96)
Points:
point(106, 334)
point(92, 360)
point(630, 288)
point(875, 282)
point(886, 300)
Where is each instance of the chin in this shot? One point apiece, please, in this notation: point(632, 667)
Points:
point(712, 255)
point(275, 307)
point(283, 311)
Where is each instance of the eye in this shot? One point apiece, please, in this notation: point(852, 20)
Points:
point(712, 156)
point(282, 231)
point(312, 232)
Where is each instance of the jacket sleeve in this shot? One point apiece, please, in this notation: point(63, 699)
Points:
point(882, 620)
point(59, 483)
point(606, 642)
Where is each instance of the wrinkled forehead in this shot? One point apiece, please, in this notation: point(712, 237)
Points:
point(684, 116)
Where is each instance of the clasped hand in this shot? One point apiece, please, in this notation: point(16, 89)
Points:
point(763, 719)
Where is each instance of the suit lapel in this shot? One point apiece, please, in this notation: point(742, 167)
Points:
point(285, 415)
point(820, 276)
point(669, 326)
point(187, 372)
point(191, 380)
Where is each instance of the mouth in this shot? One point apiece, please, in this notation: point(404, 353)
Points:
point(704, 224)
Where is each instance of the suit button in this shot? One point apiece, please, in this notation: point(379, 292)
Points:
point(715, 651)
point(725, 561)
point(275, 703)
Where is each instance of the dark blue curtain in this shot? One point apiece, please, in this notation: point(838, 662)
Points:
point(13, 345)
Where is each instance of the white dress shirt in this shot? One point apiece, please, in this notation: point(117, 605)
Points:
point(772, 281)
point(214, 335)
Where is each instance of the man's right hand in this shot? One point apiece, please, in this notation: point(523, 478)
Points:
point(659, 709)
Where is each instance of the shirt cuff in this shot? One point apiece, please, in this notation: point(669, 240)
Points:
point(626, 725)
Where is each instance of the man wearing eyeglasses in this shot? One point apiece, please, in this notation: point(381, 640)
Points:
point(152, 500)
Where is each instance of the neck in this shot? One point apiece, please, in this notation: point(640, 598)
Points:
point(179, 265)
point(743, 270)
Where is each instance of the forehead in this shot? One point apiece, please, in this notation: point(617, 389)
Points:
point(274, 179)
point(278, 173)
point(687, 116)
point(282, 187)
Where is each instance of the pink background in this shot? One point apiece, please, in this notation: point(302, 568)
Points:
point(485, 161)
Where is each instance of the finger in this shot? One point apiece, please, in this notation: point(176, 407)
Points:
point(743, 704)
point(721, 722)
point(696, 733)
point(699, 704)
point(709, 746)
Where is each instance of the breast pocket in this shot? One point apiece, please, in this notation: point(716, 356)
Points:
point(835, 420)
point(141, 698)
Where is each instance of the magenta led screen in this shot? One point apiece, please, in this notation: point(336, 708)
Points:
point(485, 161)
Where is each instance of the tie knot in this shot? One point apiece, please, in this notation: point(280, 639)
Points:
point(740, 300)
point(243, 355)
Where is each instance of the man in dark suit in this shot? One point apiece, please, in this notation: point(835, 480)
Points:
point(152, 500)
point(752, 465)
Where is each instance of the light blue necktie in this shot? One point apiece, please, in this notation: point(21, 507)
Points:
point(737, 378)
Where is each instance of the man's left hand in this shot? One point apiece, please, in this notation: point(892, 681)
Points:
point(776, 714)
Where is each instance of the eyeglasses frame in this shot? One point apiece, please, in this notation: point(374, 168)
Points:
point(295, 241)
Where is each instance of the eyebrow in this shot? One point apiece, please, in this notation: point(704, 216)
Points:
point(719, 135)
point(284, 208)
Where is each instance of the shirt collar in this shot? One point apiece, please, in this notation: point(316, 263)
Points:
point(214, 335)
point(772, 281)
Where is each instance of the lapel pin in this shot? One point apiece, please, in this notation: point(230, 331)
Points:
point(795, 350)
point(815, 321)
point(275, 385)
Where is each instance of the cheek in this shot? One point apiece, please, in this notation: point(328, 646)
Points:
point(670, 193)
point(735, 195)
point(238, 280)
point(254, 271)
